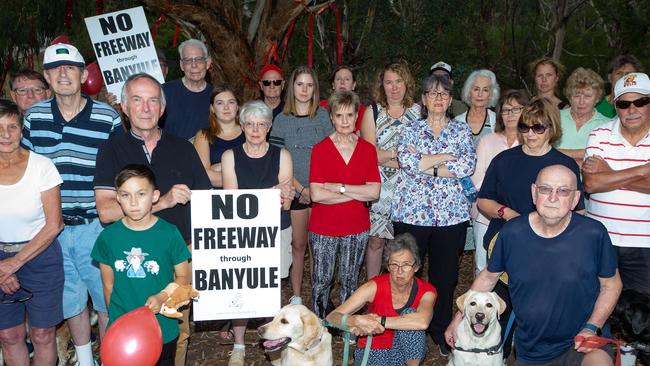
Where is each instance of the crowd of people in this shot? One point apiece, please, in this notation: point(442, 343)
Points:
point(552, 189)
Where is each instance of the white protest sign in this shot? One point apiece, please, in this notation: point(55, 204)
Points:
point(123, 46)
point(236, 253)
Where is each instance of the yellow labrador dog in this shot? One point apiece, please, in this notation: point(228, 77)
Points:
point(300, 335)
point(478, 336)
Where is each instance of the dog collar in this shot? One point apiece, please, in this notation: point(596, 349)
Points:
point(303, 349)
point(490, 351)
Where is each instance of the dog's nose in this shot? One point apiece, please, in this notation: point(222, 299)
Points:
point(479, 316)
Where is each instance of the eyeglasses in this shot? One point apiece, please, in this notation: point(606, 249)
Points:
point(25, 91)
point(275, 82)
point(560, 191)
point(433, 94)
point(252, 125)
point(538, 128)
point(625, 104)
point(194, 60)
point(515, 110)
point(404, 266)
point(21, 295)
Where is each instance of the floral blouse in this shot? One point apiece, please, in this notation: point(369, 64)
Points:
point(425, 200)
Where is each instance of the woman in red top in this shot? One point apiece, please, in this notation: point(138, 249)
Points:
point(400, 308)
point(343, 177)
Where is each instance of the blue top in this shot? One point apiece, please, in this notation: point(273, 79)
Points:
point(425, 200)
point(220, 145)
point(554, 282)
point(72, 146)
point(508, 179)
point(186, 111)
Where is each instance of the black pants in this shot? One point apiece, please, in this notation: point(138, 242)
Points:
point(634, 268)
point(168, 354)
point(443, 245)
point(502, 290)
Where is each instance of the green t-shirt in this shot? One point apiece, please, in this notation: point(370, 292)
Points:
point(143, 264)
point(606, 108)
point(577, 139)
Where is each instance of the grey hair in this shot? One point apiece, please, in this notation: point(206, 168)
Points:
point(255, 108)
point(404, 241)
point(494, 86)
point(193, 42)
point(142, 75)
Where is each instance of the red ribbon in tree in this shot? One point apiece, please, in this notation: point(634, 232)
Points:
point(10, 61)
point(310, 40)
point(272, 51)
point(99, 7)
point(67, 20)
point(177, 30)
point(156, 25)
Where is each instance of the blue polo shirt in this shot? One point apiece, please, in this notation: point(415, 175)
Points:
point(173, 161)
point(72, 146)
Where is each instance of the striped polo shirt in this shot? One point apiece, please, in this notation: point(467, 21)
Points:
point(625, 213)
point(72, 146)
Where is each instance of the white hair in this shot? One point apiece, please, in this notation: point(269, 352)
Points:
point(494, 86)
point(193, 42)
point(255, 108)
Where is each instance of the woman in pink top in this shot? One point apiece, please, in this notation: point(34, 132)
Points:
point(508, 111)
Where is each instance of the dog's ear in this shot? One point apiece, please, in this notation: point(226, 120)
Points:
point(460, 301)
point(311, 331)
point(502, 304)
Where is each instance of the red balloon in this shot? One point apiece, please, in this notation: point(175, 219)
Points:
point(61, 39)
point(134, 338)
point(94, 82)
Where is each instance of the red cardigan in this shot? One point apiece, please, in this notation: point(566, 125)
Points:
point(382, 305)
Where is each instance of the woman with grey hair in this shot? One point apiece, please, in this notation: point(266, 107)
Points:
point(437, 155)
point(400, 308)
point(480, 93)
point(259, 165)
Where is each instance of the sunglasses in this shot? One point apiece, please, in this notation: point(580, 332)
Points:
point(268, 82)
point(21, 295)
point(561, 191)
point(625, 104)
point(538, 128)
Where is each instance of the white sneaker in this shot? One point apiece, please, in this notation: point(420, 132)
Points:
point(295, 300)
point(237, 357)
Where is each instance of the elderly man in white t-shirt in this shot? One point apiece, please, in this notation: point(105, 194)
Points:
point(616, 172)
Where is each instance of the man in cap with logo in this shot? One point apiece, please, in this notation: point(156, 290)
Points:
point(444, 69)
point(69, 129)
point(616, 172)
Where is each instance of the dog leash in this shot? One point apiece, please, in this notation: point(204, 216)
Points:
point(598, 342)
point(511, 321)
point(346, 341)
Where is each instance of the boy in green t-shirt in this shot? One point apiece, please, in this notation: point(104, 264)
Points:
point(141, 254)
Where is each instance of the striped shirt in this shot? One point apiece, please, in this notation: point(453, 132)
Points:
point(72, 146)
point(625, 213)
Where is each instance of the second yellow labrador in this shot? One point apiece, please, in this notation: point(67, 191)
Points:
point(478, 336)
point(300, 336)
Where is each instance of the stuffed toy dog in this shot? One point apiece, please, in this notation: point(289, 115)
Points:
point(177, 296)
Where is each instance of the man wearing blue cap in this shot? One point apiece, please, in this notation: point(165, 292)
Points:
point(68, 129)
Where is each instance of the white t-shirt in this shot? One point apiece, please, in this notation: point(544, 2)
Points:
point(22, 216)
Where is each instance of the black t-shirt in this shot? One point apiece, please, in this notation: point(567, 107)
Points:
point(174, 161)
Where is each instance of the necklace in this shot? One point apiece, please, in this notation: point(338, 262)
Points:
point(256, 154)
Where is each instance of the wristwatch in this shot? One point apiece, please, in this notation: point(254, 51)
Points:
point(592, 327)
point(501, 211)
point(342, 189)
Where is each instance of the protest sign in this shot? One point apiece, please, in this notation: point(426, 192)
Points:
point(123, 46)
point(236, 253)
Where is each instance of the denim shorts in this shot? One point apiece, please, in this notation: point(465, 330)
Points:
point(43, 277)
point(82, 274)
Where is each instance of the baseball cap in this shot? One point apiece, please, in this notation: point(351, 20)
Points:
point(636, 82)
point(62, 54)
point(441, 65)
point(270, 67)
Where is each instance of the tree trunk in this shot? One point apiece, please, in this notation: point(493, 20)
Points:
point(235, 60)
